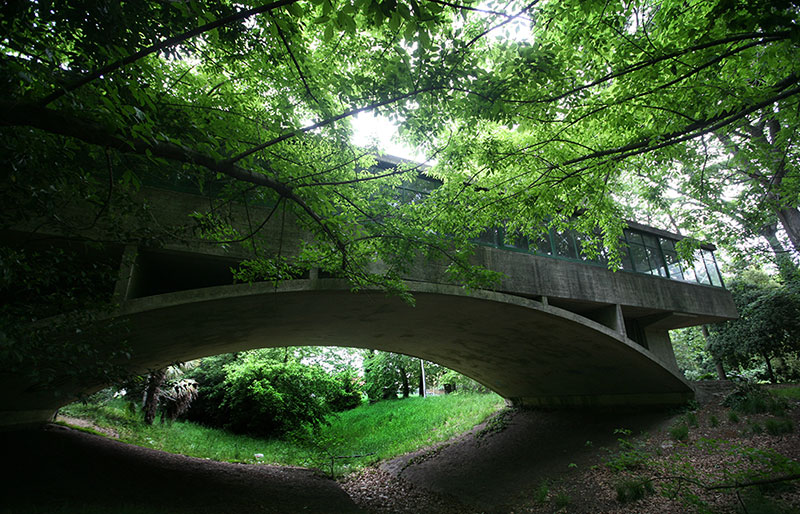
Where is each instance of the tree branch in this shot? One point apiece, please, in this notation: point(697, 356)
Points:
point(296, 64)
point(56, 122)
point(643, 64)
point(328, 121)
point(170, 41)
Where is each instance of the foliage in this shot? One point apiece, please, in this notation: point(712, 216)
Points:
point(632, 489)
point(40, 283)
point(679, 431)
point(383, 429)
point(631, 455)
point(385, 373)
point(541, 492)
point(319, 379)
point(453, 381)
point(778, 426)
point(275, 398)
point(348, 395)
point(768, 325)
point(693, 359)
point(749, 398)
point(210, 375)
point(561, 500)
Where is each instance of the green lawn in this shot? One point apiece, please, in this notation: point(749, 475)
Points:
point(373, 432)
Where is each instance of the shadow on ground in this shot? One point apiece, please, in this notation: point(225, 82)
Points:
point(497, 471)
point(63, 470)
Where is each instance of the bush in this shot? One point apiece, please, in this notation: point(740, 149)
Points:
point(276, 398)
point(631, 456)
point(679, 432)
point(632, 489)
point(541, 492)
point(778, 426)
point(453, 381)
point(210, 374)
point(349, 393)
point(749, 398)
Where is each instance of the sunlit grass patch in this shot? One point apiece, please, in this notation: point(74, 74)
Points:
point(370, 432)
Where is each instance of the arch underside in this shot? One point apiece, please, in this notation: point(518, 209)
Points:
point(528, 352)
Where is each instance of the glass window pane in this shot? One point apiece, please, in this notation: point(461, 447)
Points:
point(650, 241)
point(700, 269)
point(667, 244)
point(542, 244)
point(673, 264)
point(488, 236)
point(639, 257)
point(634, 237)
point(564, 245)
point(656, 262)
point(711, 266)
point(516, 240)
point(627, 264)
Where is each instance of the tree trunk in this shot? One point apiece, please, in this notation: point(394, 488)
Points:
point(422, 387)
point(404, 378)
point(717, 362)
point(154, 382)
point(784, 262)
point(771, 374)
point(790, 220)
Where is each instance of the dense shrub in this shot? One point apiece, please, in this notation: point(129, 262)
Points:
point(349, 391)
point(210, 375)
point(749, 398)
point(275, 398)
point(267, 392)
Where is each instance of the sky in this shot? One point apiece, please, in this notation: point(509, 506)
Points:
point(368, 128)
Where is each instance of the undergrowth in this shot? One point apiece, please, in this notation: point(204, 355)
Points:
point(351, 440)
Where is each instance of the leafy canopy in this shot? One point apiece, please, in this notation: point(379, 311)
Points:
point(549, 127)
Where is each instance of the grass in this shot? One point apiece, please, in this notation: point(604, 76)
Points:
point(778, 426)
point(562, 500)
point(679, 432)
point(792, 393)
point(632, 489)
point(371, 432)
point(541, 492)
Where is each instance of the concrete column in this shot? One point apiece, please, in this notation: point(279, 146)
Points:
point(660, 345)
point(610, 316)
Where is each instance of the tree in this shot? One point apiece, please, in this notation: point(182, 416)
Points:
point(528, 132)
point(768, 326)
point(272, 390)
point(548, 128)
point(385, 373)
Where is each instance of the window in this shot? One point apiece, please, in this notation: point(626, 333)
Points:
point(645, 253)
point(673, 262)
point(515, 240)
point(711, 267)
point(565, 245)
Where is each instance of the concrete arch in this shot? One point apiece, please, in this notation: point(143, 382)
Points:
point(528, 352)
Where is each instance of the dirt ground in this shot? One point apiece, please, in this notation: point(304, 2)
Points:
point(67, 470)
point(496, 468)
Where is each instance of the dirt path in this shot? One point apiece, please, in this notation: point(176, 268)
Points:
point(71, 471)
point(494, 469)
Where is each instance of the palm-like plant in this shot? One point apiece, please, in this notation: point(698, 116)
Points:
point(175, 394)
